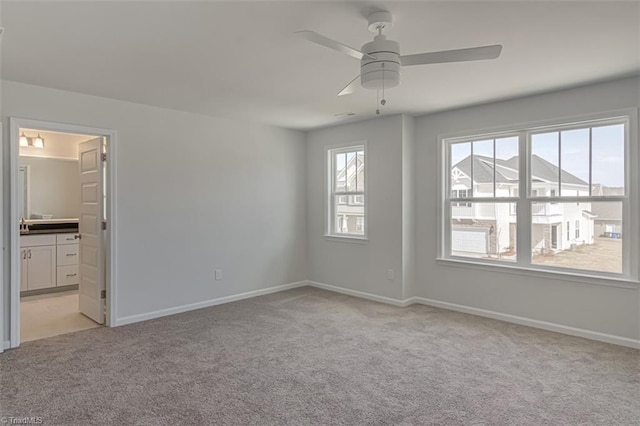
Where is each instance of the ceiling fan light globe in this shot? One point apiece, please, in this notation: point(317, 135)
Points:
point(376, 80)
point(384, 70)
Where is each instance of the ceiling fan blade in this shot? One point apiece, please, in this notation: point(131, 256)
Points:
point(332, 44)
point(458, 55)
point(349, 88)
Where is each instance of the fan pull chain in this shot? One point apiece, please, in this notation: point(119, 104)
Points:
point(383, 101)
point(377, 101)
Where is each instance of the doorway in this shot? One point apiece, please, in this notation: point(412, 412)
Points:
point(62, 229)
point(554, 236)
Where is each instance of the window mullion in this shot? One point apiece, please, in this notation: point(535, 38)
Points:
point(471, 177)
point(523, 206)
point(494, 167)
point(559, 163)
point(590, 161)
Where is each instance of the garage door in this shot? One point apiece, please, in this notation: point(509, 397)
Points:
point(469, 240)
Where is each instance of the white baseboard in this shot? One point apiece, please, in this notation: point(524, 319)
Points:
point(559, 328)
point(550, 326)
point(360, 294)
point(206, 303)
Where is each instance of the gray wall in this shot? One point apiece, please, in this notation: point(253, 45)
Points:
point(404, 222)
point(249, 199)
point(54, 186)
point(355, 265)
point(194, 194)
point(409, 270)
point(592, 307)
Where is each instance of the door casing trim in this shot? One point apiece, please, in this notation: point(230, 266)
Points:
point(15, 124)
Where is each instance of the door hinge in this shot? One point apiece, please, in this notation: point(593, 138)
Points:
point(104, 157)
point(103, 294)
point(104, 225)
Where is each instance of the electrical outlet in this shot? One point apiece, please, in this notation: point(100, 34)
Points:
point(218, 274)
point(390, 275)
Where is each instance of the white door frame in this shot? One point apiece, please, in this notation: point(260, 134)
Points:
point(3, 344)
point(14, 235)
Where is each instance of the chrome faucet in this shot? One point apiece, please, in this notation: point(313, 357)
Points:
point(24, 226)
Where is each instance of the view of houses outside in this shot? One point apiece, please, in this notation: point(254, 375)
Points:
point(349, 193)
point(579, 235)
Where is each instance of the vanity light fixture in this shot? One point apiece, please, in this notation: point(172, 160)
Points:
point(38, 142)
point(26, 141)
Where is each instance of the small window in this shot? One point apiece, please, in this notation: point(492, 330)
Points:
point(577, 229)
point(346, 195)
point(568, 232)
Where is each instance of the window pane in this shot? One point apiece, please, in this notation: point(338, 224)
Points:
point(585, 235)
point(460, 166)
point(340, 172)
point(544, 164)
point(484, 230)
point(351, 171)
point(574, 147)
point(349, 215)
point(483, 168)
point(608, 160)
point(507, 166)
point(361, 171)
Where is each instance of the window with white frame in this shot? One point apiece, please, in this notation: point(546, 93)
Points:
point(507, 196)
point(346, 196)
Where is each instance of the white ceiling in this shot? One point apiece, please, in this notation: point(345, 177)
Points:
point(239, 59)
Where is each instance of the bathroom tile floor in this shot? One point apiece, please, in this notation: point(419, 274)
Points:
point(47, 315)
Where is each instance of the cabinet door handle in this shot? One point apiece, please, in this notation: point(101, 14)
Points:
point(71, 254)
point(77, 237)
point(29, 253)
point(71, 275)
point(24, 254)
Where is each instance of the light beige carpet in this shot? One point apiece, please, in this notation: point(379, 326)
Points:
point(50, 315)
point(307, 356)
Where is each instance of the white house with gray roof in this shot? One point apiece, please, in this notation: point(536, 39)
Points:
point(489, 229)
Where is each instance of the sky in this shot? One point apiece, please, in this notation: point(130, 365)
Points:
point(607, 157)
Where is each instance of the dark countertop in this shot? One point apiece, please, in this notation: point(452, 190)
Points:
point(56, 226)
point(49, 231)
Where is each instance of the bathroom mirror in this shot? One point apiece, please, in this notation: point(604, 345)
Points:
point(48, 188)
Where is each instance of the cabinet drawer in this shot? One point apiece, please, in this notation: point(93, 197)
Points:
point(67, 238)
point(68, 275)
point(67, 254)
point(37, 240)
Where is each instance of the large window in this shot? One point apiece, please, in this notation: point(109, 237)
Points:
point(346, 196)
point(553, 198)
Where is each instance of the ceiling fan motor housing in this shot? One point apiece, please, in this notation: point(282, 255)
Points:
point(384, 70)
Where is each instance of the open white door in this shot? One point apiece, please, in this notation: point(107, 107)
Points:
point(92, 281)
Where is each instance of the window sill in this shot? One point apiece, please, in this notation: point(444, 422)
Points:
point(347, 239)
point(540, 273)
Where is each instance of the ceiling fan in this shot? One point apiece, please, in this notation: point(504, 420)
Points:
point(380, 59)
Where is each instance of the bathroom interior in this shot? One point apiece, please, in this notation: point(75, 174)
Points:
point(48, 190)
